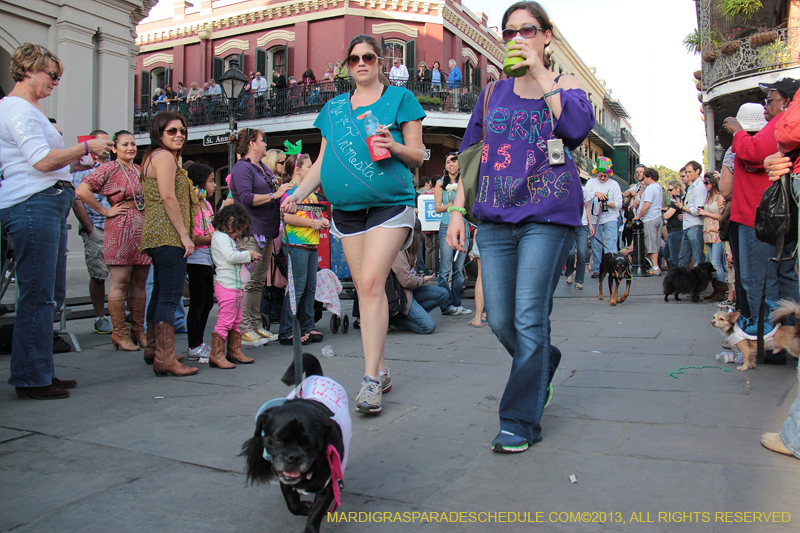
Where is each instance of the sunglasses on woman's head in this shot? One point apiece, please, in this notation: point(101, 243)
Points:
point(528, 31)
point(174, 131)
point(369, 59)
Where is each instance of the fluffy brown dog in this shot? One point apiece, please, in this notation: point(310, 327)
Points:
point(785, 337)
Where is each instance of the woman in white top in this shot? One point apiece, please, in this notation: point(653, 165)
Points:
point(36, 194)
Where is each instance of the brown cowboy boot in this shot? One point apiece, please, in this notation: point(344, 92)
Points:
point(235, 348)
point(137, 321)
point(217, 356)
point(119, 337)
point(150, 349)
point(165, 362)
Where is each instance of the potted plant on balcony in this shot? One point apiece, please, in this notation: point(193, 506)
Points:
point(692, 42)
point(739, 8)
point(430, 103)
point(709, 55)
point(730, 47)
point(763, 38)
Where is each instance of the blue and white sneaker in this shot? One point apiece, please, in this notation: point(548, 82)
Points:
point(507, 442)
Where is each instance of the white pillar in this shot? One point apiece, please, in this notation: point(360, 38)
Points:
point(710, 138)
point(74, 93)
point(114, 104)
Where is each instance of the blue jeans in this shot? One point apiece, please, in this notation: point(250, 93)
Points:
point(790, 432)
point(692, 246)
point(39, 236)
point(446, 266)
point(608, 234)
point(304, 273)
point(418, 319)
point(582, 247)
point(674, 239)
point(180, 311)
point(753, 266)
point(169, 276)
point(521, 266)
point(716, 254)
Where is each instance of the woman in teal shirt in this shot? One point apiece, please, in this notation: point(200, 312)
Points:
point(373, 201)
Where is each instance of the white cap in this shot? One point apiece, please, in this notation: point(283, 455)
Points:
point(751, 117)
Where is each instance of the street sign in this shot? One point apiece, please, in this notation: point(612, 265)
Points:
point(216, 138)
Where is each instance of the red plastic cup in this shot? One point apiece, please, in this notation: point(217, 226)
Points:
point(377, 153)
point(82, 138)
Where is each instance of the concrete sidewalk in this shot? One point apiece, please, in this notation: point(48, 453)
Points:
point(117, 457)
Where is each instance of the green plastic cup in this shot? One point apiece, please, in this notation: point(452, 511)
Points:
point(509, 62)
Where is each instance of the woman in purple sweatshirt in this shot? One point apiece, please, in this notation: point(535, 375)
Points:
point(529, 207)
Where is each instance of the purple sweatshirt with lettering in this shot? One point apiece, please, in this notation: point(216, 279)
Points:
point(517, 183)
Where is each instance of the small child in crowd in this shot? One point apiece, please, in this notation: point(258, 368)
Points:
point(231, 222)
point(199, 265)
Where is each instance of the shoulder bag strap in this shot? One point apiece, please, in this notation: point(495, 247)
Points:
point(489, 91)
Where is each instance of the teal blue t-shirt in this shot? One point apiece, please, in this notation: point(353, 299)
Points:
point(351, 180)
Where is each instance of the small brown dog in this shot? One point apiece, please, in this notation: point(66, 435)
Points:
point(783, 338)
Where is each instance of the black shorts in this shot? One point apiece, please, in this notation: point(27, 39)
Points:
point(351, 223)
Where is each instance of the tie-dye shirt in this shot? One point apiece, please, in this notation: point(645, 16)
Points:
point(302, 235)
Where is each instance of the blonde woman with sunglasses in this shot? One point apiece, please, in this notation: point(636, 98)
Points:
point(373, 201)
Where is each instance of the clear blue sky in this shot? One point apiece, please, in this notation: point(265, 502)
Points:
point(636, 47)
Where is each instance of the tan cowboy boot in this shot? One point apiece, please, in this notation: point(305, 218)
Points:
point(137, 321)
point(217, 356)
point(165, 362)
point(235, 348)
point(150, 349)
point(119, 337)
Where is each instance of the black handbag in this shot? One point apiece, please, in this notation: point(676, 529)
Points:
point(395, 295)
point(776, 214)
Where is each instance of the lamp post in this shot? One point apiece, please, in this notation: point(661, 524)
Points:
point(232, 82)
point(719, 150)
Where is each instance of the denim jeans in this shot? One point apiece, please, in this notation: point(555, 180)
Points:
point(582, 247)
point(425, 299)
point(790, 432)
point(521, 265)
point(716, 254)
point(169, 276)
point(446, 266)
point(39, 236)
point(692, 246)
point(180, 311)
point(608, 234)
point(753, 266)
point(304, 274)
point(674, 239)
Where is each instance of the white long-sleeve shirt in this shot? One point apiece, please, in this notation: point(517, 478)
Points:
point(614, 194)
point(231, 273)
point(696, 195)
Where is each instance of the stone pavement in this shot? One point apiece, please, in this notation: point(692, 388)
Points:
point(132, 452)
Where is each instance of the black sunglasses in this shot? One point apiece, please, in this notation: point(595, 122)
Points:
point(174, 131)
point(527, 31)
point(53, 75)
point(280, 162)
point(369, 59)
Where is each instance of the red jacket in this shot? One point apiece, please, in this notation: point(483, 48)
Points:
point(787, 131)
point(749, 177)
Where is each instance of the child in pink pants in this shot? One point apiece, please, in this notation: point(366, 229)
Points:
point(231, 222)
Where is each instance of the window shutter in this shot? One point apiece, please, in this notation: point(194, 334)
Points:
point(241, 62)
point(217, 68)
point(286, 61)
point(168, 77)
point(411, 57)
point(476, 77)
point(383, 46)
point(261, 63)
point(145, 89)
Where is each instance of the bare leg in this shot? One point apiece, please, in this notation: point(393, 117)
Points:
point(138, 281)
point(120, 281)
point(370, 257)
point(478, 296)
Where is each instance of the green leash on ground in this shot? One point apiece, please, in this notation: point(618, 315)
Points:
point(674, 374)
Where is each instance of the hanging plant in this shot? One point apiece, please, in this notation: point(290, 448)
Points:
point(739, 8)
point(764, 38)
point(698, 74)
point(730, 47)
point(692, 42)
point(697, 85)
point(709, 56)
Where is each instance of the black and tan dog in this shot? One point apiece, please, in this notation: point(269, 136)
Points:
point(618, 267)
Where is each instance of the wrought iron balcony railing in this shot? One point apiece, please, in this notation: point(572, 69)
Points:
point(627, 137)
point(296, 100)
point(770, 50)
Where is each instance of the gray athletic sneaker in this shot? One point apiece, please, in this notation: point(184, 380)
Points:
point(102, 325)
point(368, 399)
point(386, 380)
point(460, 310)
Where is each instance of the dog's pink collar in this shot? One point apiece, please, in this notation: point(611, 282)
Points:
point(337, 476)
